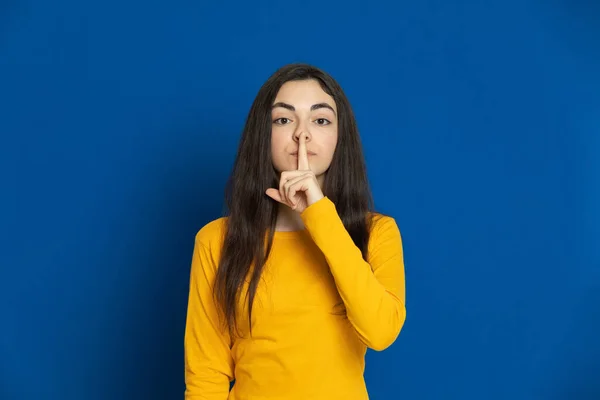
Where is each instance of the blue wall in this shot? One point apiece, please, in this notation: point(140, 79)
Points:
point(119, 122)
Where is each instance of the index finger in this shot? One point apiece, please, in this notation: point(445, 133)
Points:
point(302, 154)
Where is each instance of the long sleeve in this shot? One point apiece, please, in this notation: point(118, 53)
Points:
point(373, 292)
point(208, 360)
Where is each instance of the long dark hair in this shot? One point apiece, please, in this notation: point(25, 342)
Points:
point(252, 214)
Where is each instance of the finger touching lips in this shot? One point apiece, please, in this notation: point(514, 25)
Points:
point(302, 154)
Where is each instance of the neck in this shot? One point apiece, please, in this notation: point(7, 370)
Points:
point(288, 219)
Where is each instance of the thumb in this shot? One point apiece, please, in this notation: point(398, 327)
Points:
point(274, 194)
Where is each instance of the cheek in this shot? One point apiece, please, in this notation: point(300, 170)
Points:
point(278, 152)
point(326, 149)
point(329, 145)
point(276, 143)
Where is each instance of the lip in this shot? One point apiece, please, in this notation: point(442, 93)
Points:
point(310, 153)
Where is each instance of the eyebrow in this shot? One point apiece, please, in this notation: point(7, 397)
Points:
point(312, 108)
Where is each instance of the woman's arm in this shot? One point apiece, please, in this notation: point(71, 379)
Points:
point(373, 292)
point(208, 360)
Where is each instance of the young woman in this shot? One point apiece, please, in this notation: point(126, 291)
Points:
point(291, 287)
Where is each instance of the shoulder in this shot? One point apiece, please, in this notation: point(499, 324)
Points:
point(207, 246)
point(212, 234)
point(384, 229)
point(385, 240)
point(382, 223)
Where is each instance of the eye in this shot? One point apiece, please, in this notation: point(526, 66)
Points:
point(282, 121)
point(322, 121)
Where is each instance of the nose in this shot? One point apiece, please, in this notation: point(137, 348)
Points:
point(301, 131)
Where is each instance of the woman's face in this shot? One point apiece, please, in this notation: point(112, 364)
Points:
point(303, 108)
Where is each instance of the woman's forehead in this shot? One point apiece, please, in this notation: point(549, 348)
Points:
point(303, 94)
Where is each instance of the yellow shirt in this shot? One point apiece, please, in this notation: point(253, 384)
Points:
point(301, 348)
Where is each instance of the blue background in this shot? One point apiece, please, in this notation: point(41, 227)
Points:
point(119, 123)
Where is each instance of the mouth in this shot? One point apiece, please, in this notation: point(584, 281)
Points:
point(309, 153)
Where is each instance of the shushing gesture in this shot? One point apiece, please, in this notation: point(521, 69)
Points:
point(298, 189)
